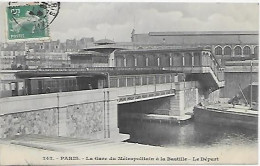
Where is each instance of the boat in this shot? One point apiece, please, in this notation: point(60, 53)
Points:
point(239, 111)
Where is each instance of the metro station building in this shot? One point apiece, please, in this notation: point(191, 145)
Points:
point(225, 45)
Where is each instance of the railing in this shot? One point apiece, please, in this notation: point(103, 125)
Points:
point(101, 69)
point(145, 96)
point(212, 62)
point(206, 60)
point(148, 79)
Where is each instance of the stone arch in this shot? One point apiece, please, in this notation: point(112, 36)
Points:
point(218, 50)
point(227, 50)
point(246, 50)
point(238, 50)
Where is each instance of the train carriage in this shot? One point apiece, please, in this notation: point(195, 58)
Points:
point(41, 85)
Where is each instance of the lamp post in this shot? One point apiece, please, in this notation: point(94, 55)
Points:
point(251, 80)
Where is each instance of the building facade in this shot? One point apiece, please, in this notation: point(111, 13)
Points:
point(40, 54)
point(224, 45)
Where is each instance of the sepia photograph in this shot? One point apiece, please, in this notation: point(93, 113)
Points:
point(129, 83)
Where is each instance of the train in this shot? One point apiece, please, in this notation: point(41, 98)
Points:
point(43, 85)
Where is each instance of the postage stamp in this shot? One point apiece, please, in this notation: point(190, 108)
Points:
point(30, 21)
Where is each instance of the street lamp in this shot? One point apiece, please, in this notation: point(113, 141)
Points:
point(251, 81)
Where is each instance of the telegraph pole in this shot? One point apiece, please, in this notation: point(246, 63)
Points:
point(251, 81)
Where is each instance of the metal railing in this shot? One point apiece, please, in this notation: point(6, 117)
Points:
point(148, 79)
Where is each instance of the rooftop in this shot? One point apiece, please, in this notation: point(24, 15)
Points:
point(203, 33)
point(104, 42)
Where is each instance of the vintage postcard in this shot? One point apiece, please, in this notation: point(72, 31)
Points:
point(129, 83)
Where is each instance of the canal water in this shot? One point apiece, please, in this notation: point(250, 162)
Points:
point(190, 134)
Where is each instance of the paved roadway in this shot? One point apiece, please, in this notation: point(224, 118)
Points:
point(43, 150)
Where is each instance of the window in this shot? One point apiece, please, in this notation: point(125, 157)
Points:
point(218, 50)
point(238, 50)
point(227, 50)
point(246, 50)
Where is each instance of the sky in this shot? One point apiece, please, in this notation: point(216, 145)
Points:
point(114, 20)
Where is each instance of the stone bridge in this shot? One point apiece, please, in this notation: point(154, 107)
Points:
point(93, 113)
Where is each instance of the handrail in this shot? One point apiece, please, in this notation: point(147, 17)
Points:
point(218, 73)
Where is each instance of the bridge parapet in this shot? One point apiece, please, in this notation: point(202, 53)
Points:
point(63, 111)
point(148, 79)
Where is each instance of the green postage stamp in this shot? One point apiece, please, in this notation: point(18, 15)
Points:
point(27, 22)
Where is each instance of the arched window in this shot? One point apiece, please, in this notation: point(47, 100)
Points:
point(218, 50)
point(187, 59)
point(227, 50)
point(256, 50)
point(238, 50)
point(246, 50)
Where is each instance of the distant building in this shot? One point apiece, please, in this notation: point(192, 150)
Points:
point(40, 54)
point(100, 55)
point(47, 60)
point(237, 45)
point(12, 55)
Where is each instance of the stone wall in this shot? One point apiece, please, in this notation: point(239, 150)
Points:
point(88, 114)
point(221, 118)
point(190, 98)
point(69, 114)
point(233, 80)
point(84, 119)
point(177, 104)
point(81, 120)
point(184, 101)
point(44, 122)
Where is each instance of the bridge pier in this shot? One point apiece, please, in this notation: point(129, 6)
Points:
point(186, 97)
point(177, 104)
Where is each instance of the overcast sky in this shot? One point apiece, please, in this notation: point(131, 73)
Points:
point(116, 20)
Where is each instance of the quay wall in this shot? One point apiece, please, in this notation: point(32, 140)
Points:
point(73, 114)
point(44, 122)
point(235, 76)
point(222, 118)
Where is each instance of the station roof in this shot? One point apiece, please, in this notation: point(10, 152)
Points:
point(104, 42)
point(104, 47)
point(166, 49)
point(38, 73)
point(197, 38)
point(85, 53)
point(182, 33)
